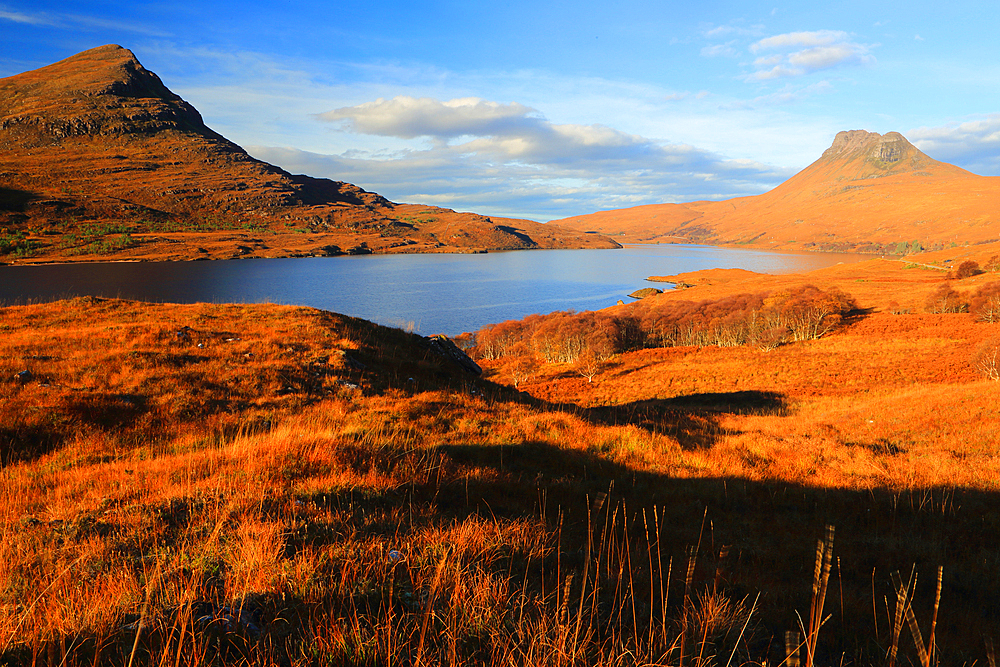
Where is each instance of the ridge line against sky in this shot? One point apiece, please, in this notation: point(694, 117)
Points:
point(547, 110)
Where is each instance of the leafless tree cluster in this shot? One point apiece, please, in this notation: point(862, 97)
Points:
point(765, 320)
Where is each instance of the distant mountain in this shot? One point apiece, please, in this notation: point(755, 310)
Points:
point(96, 143)
point(867, 192)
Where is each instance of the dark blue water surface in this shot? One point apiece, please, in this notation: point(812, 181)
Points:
point(438, 293)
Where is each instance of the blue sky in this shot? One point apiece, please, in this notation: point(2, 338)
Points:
point(550, 109)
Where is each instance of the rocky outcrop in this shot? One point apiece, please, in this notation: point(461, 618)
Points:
point(446, 348)
point(645, 292)
point(883, 152)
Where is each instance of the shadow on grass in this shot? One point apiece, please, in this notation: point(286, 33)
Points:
point(693, 420)
point(749, 537)
point(15, 200)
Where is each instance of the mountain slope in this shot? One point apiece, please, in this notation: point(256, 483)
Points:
point(867, 192)
point(97, 141)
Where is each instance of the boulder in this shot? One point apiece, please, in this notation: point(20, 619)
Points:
point(644, 292)
point(447, 349)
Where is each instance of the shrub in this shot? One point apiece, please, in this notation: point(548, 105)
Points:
point(809, 312)
point(985, 304)
point(497, 340)
point(766, 321)
point(986, 359)
point(966, 269)
point(563, 337)
point(946, 300)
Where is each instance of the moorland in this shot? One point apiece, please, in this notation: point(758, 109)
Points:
point(205, 484)
point(744, 470)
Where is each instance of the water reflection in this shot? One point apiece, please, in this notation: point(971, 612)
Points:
point(433, 293)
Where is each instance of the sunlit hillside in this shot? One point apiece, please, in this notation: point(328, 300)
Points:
point(220, 484)
point(866, 193)
point(100, 161)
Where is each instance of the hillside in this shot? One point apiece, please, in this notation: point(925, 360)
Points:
point(866, 193)
point(232, 484)
point(98, 159)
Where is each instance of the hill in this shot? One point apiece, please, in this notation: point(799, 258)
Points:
point(99, 159)
point(867, 193)
point(232, 484)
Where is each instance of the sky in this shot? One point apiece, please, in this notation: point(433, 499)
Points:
point(544, 110)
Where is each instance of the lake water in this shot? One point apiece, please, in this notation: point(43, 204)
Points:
point(434, 293)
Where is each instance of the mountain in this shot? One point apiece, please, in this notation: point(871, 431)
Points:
point(98, 157)
point(867, 193)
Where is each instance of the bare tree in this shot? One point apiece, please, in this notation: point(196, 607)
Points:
point(588, 365)
point(986, 360)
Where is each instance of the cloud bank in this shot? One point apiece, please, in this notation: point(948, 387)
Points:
point(973, 145)
point(508, 160)
point(799, 53)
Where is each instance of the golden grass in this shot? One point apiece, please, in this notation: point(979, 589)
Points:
point(240, 502)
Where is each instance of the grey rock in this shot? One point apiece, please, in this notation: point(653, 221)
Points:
point(445, 347)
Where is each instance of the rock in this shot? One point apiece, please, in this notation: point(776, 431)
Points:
point(644, 292)
point(330, 251)
point(240, 617)
point(445, 347)
point(24, 376)
point(350, 362)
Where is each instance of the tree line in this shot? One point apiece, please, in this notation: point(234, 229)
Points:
point(762, 319)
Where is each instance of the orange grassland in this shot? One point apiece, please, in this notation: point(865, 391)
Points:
point(224, 484)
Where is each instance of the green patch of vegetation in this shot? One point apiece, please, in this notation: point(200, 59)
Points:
point(104, 229)
point(904, 248)
point(418, 220)
point(298, 230)
point(200, 225)
point(101, 246)
point(925, 267)
point(17, 244)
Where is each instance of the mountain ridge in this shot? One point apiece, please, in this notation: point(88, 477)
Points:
point(96, 140)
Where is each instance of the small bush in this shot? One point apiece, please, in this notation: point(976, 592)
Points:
point(985, 304)
point(966, 269)
point(986, 359)
point(946, 300)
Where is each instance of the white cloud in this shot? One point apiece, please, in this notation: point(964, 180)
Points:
point(506, 159)
point(29, 19)
point(973, 145)
point(800, 53)
point(727, 30)
point(76, 22)
point(728, 49)
point(407, 117)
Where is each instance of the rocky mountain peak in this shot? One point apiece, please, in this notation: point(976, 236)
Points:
point(886, 149)
point(101, 91)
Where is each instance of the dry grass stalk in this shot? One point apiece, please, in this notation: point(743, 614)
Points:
point(793, 645)
point(925, 652)
point(821, 579)
point(903, 596)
